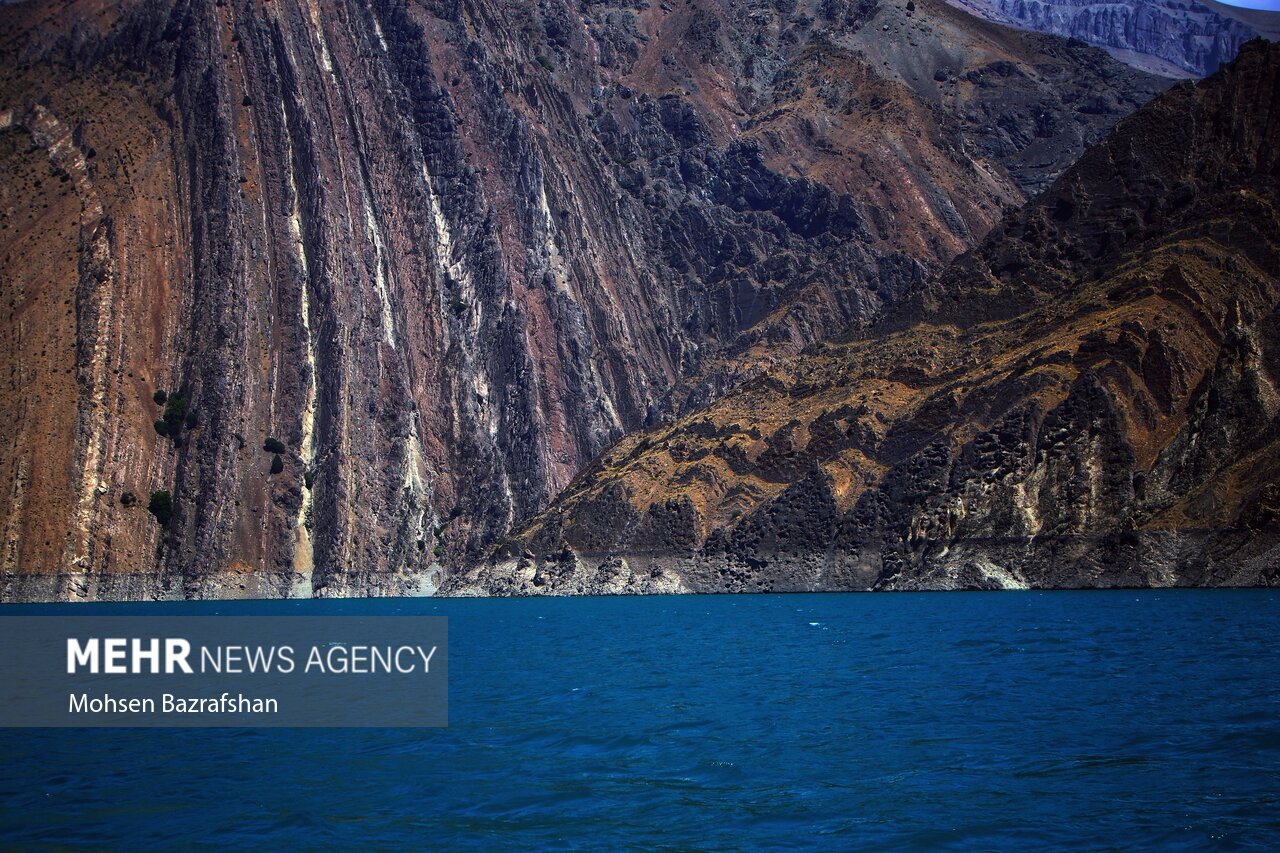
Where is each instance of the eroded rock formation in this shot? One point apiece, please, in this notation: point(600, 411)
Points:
point(402, 269)
point(1167, 36)
point(1090, 398)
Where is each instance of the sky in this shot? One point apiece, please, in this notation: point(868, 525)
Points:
point(1269, 5)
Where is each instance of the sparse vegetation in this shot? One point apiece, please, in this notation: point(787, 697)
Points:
point(161, 506)
point(128, 499)
point(274, 445)
point(176, 415)
point(175, 408)
point(545, 63)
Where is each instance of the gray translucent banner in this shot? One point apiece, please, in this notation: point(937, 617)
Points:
point(213, 671)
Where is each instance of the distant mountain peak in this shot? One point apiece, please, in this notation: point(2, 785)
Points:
point(1176, 38)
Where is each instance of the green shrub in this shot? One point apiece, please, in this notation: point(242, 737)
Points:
point(545, 63)
point(274, 445)
point(161, 506)
point(128, 499)
point(277, 464)
point(159, 396)
point(439, 551)
point(175, 415)
point(192, 421)
point(175, 408)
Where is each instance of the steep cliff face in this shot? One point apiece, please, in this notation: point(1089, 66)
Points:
point(1177, 37)
point(1091, 398)
point(402, 269)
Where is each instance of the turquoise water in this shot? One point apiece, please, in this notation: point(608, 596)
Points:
point(1108, 720)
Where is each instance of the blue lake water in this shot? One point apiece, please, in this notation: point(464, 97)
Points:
point(955, 720)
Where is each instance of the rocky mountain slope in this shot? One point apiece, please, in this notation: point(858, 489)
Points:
point(1262, 15)
point(316, 296)
point(1175, 37)
point(1090, 398)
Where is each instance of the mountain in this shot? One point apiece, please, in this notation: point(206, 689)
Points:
point(1091, 398)
point(1174, 37)
point(1265, 21)
point(314, 296)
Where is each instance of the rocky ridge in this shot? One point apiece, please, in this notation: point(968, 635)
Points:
point(1089, 399)
point(1174, 37)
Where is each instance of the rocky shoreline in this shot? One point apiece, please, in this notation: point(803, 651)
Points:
point(1135, 560)
point(1154, 560)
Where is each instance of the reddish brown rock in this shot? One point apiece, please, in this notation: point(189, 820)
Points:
point(446, 253)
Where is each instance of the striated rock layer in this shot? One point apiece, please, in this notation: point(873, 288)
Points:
point(403, 269)
point(1091, 398)
point(1173, 37)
